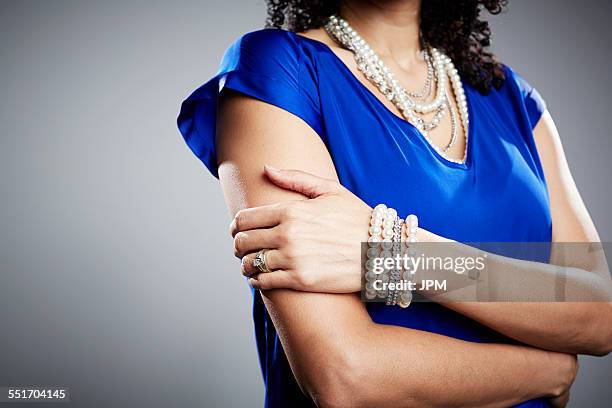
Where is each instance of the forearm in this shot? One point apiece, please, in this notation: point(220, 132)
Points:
point(414, 368)
point(575, 328)
point(347, 360)
point(519, 300)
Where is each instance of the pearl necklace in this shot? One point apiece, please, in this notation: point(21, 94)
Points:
point(375, 70)
point(424, 93)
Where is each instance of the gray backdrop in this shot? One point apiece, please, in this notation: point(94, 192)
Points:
point(112, 232)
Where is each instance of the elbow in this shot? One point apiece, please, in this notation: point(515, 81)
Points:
point(348, 382)
point(336, 383)
point(602, 351)
point(342, 380)
point(598, 341)
point(335, 399)
point(600, 347)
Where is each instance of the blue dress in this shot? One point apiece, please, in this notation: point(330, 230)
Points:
point(498, 195)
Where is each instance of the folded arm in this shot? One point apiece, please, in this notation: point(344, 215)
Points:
point(522, 296)
point(338, 355)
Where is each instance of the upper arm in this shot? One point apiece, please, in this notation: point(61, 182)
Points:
point(314, 328)
point(571, 220)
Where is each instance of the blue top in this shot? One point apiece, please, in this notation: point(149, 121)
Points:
point(498, 195)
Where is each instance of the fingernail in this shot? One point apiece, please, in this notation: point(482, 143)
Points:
point(271, 168)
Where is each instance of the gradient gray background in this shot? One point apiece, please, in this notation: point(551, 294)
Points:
point(117, 277)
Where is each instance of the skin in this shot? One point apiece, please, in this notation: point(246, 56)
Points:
point(337, 354)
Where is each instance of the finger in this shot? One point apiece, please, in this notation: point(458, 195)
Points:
point(246, 242)
point(257, 217)
point(301, 182)
point(278, 279)
point(273, 261)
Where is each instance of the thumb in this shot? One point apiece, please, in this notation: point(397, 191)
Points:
point(300, 181)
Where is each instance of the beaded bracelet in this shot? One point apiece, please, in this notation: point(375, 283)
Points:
point(396, 250)
point(412, 225)
point(385, 237)
point(385, 241)
point(378, 221)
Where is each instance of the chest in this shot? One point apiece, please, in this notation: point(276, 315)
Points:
point(499, 194)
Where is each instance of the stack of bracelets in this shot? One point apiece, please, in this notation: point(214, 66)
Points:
point(385, 241)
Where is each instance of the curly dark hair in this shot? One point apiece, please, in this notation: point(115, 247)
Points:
point(453, 26)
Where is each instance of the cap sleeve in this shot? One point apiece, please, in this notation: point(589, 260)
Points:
point(268, 65)
point(534, 104)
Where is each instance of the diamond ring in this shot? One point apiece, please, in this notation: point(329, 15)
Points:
point(260, 261)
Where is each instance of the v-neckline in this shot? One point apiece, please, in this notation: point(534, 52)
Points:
point(435, 150)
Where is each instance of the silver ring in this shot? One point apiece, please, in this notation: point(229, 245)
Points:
point(260, 261)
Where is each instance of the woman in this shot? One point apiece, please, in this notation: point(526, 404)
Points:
point(489, 168)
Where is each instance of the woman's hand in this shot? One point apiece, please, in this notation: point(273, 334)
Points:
point(568, 369)
point(313, 245)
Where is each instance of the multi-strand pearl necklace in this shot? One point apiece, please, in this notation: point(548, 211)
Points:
point(375, 70)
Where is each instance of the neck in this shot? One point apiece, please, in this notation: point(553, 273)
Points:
point(391, 27)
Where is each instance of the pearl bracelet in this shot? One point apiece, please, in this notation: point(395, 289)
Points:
point(380, 231)
point(412, 226)
point(385, 237)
